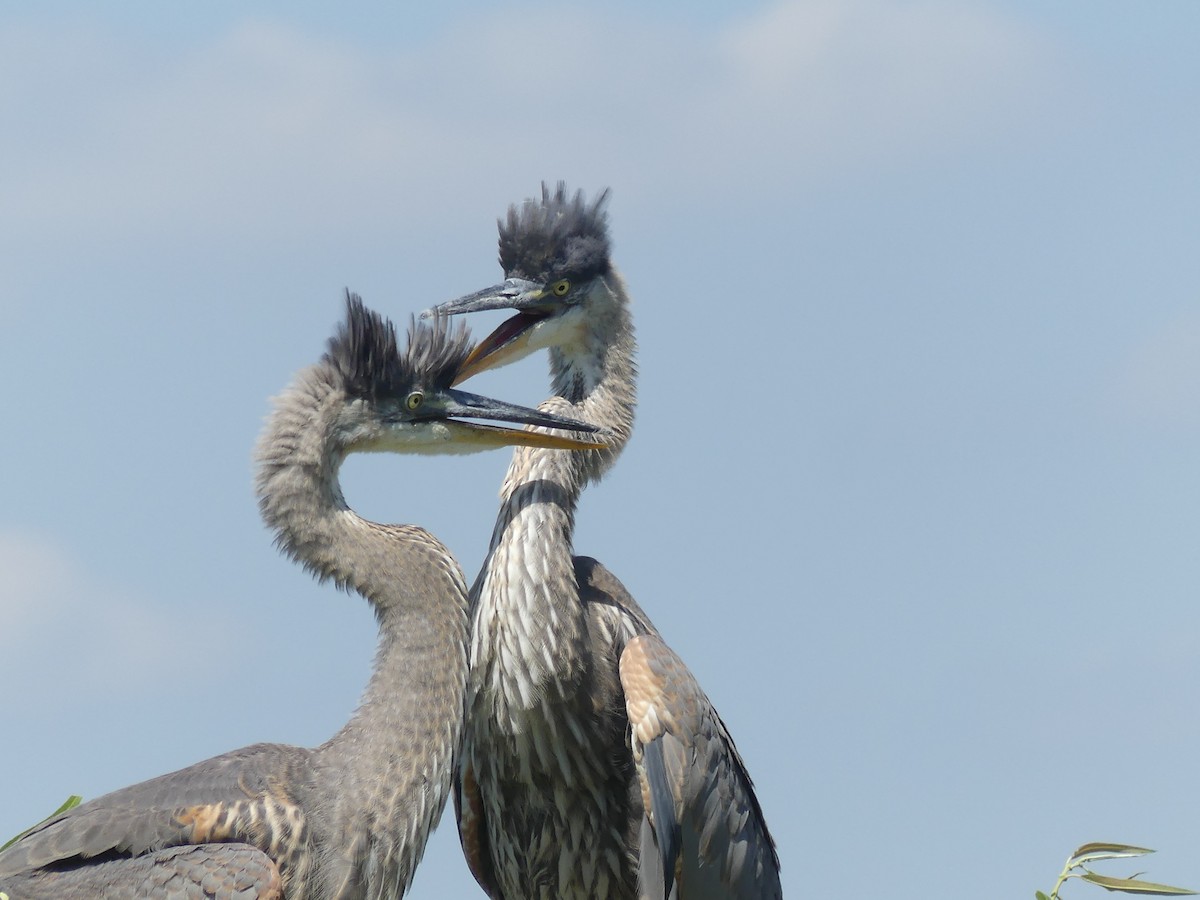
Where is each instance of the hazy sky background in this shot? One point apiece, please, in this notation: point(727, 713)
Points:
point(915, 486)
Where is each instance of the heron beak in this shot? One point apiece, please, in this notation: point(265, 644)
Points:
point(499, 436)
point(515, 293)
point(462, 404)
point(508, 341)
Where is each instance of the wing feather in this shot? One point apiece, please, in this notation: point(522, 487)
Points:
point(699, 800)
point(191, 806)
point(472, 829)
point(196, 872)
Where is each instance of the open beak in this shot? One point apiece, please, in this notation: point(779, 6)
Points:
point(509, 340)
point(458, 404)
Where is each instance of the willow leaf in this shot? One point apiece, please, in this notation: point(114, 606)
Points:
point(1094, 851)
point(1134, 886)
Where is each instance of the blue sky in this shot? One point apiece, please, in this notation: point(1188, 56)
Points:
point(913, 487)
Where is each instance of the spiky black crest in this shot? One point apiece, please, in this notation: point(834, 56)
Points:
point(560, 237)
point(366, 355)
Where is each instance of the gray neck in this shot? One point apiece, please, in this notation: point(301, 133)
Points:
point(595, 383)
point(383, 779)
point(598, 378)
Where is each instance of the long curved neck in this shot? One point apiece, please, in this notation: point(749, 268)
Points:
point(528, 582)
point(595, 381)
point(395, 755)
point(597, 375)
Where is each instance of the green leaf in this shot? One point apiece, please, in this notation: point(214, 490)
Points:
point(70, 803)
point(1133, 886)
point(1094, 851)
point(1041, 896)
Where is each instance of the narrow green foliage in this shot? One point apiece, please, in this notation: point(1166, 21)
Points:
point(1134, 886)
point(70, 803)
point(1089, 853)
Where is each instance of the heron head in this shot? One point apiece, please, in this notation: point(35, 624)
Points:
point(405, 401)
point(555, 255)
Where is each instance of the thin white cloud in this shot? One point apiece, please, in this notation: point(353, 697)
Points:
point(36, 586)
point(861, 80)
point(54, 616)
point(267, 127)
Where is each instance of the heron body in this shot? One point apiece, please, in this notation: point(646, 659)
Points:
point(546, 734)
point(348, 819)
point(593, 763)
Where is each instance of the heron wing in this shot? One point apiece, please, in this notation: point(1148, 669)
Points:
point(603, 592)
point(703, 834)
point(234, 797)
point(197, 872)
point(472, 829)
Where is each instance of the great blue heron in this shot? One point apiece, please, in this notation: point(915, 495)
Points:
point(593, 763)
point(348, 819)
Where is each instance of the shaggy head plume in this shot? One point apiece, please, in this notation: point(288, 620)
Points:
point(558, 237)
point(366, 354)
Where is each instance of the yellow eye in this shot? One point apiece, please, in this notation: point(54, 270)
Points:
point(560, 288)
point(414, 400)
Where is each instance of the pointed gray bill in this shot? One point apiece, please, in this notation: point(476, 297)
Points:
point(533, 304)
point(459, 404)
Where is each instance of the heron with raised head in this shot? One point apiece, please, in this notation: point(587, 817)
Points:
point(593, 763)
point(348, 819)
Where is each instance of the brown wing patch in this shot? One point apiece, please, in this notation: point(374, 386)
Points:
point(210, 823)
point(646, 682)
point(660, 709)
point(471, 828)
point(273, 825)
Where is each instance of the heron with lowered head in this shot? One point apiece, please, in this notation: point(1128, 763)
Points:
point(350, 818)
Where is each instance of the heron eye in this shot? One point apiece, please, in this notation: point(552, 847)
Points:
point(414, 400)
point(560, 288)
